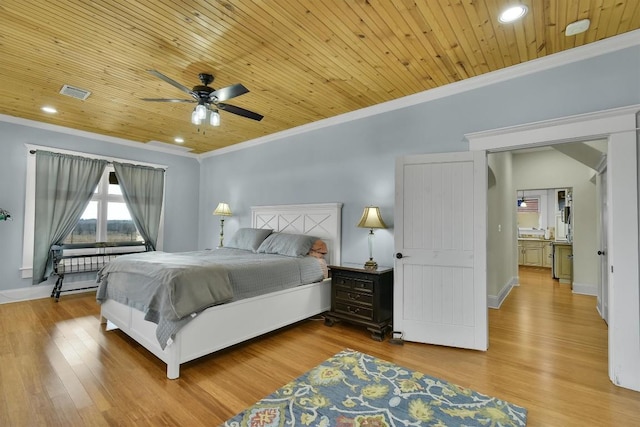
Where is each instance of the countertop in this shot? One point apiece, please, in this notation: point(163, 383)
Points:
point(553, 242)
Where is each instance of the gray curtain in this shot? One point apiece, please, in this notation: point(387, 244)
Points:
point(142, 189)
point(64, 187)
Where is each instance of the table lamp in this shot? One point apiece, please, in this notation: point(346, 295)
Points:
point(371, 219)
point(222, 210)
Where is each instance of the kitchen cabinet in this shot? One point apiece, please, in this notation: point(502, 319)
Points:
point(534, 253)
point(563, 262)
point(520, 254)
point(547, 255)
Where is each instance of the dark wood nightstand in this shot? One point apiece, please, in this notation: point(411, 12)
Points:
point(363, 297)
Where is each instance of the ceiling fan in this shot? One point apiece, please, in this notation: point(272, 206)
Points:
point(209, 100)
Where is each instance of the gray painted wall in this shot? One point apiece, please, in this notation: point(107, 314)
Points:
point(351, 162)
point(502, 268)
point(182, 191)
point(354, 162)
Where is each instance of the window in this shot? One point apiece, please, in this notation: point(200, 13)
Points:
point(532, 205)
point(113, 215)
point(106, 218)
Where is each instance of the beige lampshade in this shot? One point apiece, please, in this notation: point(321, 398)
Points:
point(223, 209)
point(371, 218)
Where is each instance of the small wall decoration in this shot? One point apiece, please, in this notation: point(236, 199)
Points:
point(5, 215)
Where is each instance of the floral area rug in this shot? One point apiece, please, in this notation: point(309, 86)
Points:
point(353, 389)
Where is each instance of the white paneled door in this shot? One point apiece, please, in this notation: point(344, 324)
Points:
point(440, 289)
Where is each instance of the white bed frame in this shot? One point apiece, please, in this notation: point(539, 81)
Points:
point(228, 324)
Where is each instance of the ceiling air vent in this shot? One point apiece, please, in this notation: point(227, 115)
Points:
point(75, 92)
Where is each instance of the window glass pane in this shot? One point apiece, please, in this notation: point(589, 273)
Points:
point(85, 230)
point(115, 189)
point(120, 226)
point(114, 186)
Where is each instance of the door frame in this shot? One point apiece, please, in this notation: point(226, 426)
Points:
point(619, 127)
point(603, 221)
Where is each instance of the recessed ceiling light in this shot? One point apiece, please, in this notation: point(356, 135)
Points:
point(49, 110)
point(513, 13)
point(179, 140)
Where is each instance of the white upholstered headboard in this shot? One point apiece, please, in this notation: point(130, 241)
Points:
point(322, 220)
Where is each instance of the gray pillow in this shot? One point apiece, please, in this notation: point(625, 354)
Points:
point(248, 239)
point(297, 245)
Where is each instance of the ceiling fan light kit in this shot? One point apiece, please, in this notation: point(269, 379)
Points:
point(214, 118)
point(201, 112)
point(209, 100)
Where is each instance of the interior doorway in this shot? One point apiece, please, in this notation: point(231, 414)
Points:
point(569, 173)
point(545, 232)
point(619, 127)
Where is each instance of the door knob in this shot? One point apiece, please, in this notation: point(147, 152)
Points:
point(600, 252)
point(399, 255)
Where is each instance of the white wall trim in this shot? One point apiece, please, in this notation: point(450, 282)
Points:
point(495, 301)
point(580, 53)
point(591, 50)
point(619, 127)
point(585, 289)
point(592, 125)
point(40, 291)
point(25, 294)
point(153, 146)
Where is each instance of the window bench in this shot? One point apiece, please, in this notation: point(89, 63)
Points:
point(85, 258)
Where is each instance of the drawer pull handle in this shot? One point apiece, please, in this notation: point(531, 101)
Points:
point(353, 310)
point(353, 297)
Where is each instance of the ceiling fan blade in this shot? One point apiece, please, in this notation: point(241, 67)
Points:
point(240, 111)
point(171, 81)
point(228, 92)
point(167, 100)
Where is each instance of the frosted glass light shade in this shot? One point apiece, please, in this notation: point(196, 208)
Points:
point(201, 111)
point(195, 119)
point(214, 120)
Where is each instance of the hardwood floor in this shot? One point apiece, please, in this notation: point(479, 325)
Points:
point(58, 367)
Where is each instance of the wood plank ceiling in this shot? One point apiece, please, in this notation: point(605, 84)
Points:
point(302, 60)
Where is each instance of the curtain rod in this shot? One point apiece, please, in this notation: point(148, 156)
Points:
point(110, 161)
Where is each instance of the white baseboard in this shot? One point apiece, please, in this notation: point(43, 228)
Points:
point(495, 301)
point(585, 289)
point(39, 292)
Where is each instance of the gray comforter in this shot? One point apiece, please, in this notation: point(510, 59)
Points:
point(172, 288)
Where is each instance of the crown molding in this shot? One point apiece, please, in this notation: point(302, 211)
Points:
point(555, 60)
point(155, 146)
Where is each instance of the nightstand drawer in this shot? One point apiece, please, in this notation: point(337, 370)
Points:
point(351, 296)
point(365, 313)
point(353, 283)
